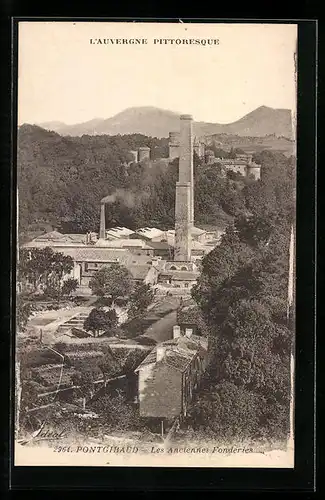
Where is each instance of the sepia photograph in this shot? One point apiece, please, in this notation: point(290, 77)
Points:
point(156, 228)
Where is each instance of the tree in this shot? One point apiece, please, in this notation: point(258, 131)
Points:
point(242, 292)
point(100, 320)
point(218, 267)
point(117, 413)
point(23, 312)
point(230, 412)
point(109, 365)
point(70, 285)
point(84, 379)
point(114, 281)
point(141, 297)
point(43, 267)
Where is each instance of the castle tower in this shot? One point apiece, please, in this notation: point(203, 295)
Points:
point(135, 155)
point(173, 145)
point(184, 205)
point(144, 152)
point(198, 147)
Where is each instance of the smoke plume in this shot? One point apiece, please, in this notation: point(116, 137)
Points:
point(124, 195)
point(131, 198)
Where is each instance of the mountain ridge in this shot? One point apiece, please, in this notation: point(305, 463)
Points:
point(157, 122)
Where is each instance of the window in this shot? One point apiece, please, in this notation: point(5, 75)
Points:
point(173, 268)
point(183, 268)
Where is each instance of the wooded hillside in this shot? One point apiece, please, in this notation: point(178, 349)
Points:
point(62, 180)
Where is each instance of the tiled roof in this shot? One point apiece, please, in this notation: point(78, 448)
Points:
point(179, 352)
point(148, 360)
point(227, 161)
point(197, 231)
point(150, 232)
point(85, 354)
point(76, 237)
point(181, 275)
point(122, 243)
point(159, 245)
point(119, 232)
point(56, 237)
point(53, 235)
point(178, 360)
point(139, 272)
point(89, 254)
point(102, 254)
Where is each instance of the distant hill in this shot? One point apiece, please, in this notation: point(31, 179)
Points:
point(156, 122)
point(55, 126)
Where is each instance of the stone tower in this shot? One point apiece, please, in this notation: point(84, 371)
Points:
point(173, 145)
point(184, 205)
point(144, 153)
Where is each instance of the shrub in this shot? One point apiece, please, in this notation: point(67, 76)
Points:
point(229, 411)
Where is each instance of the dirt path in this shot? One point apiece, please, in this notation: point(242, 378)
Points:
point(163, 328)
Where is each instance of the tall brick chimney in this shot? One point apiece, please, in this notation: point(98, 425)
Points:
point(184, 205)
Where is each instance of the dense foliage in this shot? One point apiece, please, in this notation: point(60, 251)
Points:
point(62, 180)
point(242, 289)
point(100, 320)
point(140, 299)
point(41, 271)
point(242, 293)
point(112, 281)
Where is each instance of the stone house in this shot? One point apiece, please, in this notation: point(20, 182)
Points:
point(169, 376)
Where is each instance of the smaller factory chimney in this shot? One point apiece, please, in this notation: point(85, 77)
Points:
point(102, 228)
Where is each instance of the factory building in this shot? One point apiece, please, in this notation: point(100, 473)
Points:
point(167, 259)
point(116, 233)
point(89, 259)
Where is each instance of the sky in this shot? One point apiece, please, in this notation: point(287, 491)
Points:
point(63, 77)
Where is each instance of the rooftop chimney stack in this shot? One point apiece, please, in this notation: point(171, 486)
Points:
point(176, 331)
point(161, 351)
point(188, 332)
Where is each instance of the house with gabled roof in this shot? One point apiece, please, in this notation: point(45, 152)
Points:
point(169, 376)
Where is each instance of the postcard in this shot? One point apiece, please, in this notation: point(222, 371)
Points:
point(156, 179)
